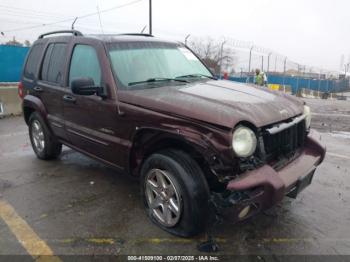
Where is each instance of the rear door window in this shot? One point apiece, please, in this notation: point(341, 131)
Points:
point(33, 61)
point(53, 66)
point(85, 63)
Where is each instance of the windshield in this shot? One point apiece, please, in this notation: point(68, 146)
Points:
point(145, 64)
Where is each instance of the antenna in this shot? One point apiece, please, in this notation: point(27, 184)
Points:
point(187, 36)
point(143, 29)
point(150, 17)
point(99, 18)
point(74, 22)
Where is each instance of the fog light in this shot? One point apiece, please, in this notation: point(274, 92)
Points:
point(244, 212)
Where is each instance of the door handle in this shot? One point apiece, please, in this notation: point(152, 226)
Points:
point(69, 98)
point(38, 89)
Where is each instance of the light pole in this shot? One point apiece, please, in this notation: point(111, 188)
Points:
point(150, 17)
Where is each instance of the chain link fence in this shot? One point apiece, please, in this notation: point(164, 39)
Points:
point(238, 61)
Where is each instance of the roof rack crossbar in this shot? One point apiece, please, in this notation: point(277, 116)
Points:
point(73, 32)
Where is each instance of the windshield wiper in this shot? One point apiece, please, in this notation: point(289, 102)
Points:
point(196, 75)
point(158, 79)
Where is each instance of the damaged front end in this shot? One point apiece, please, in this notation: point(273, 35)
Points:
point(283, 165)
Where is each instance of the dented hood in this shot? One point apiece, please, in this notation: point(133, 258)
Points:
point(223, 103)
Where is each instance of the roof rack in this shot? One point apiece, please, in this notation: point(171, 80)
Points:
point(137, 34)
point(73, 32)
point(130, 34)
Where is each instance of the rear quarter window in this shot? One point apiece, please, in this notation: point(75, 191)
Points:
point(33, 61)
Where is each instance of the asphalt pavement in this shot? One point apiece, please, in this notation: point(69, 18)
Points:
point(75, 205)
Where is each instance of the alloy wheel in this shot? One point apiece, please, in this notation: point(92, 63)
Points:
point(38, 136)
point(162, 197)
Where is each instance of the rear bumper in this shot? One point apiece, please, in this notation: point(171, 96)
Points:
point(265, 187)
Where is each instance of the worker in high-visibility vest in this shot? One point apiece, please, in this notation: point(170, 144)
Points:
point(260, 78)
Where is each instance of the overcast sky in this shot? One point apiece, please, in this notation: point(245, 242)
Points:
point(312, 32)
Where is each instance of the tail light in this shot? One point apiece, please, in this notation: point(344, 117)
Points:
point(20, 90)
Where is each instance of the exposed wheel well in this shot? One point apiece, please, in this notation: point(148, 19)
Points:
point(150, 143)
point(27, 111)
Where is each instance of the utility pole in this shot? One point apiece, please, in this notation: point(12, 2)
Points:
point(262, 63)
point(150, 17)
point(250, 59)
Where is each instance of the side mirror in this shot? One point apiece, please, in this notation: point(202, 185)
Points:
point(85, 86)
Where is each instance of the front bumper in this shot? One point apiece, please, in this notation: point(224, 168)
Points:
point(265, 187)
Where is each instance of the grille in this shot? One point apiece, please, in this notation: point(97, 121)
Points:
point(285, 143)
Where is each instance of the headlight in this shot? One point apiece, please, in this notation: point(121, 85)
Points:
point(243, 142)
point(307, 113)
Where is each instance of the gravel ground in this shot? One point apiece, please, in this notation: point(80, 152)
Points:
point(330, 115)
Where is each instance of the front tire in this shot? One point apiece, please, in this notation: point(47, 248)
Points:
point(175, 192)
point(44, 144)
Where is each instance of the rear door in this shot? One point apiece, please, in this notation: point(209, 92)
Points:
point(49, 86)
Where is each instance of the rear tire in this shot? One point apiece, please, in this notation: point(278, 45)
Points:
point(44, 144)
point(190, 192)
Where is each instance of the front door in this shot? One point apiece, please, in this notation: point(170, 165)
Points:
point(91, 121)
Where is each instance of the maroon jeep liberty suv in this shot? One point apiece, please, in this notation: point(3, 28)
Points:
point(150, 108)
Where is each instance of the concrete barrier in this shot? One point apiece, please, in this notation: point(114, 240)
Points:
point(10, 103)
point(308, 93)
point(285, 89)
point(274, 87)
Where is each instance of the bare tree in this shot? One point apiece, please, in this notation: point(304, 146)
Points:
point(14, 42)
point(215, 54)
